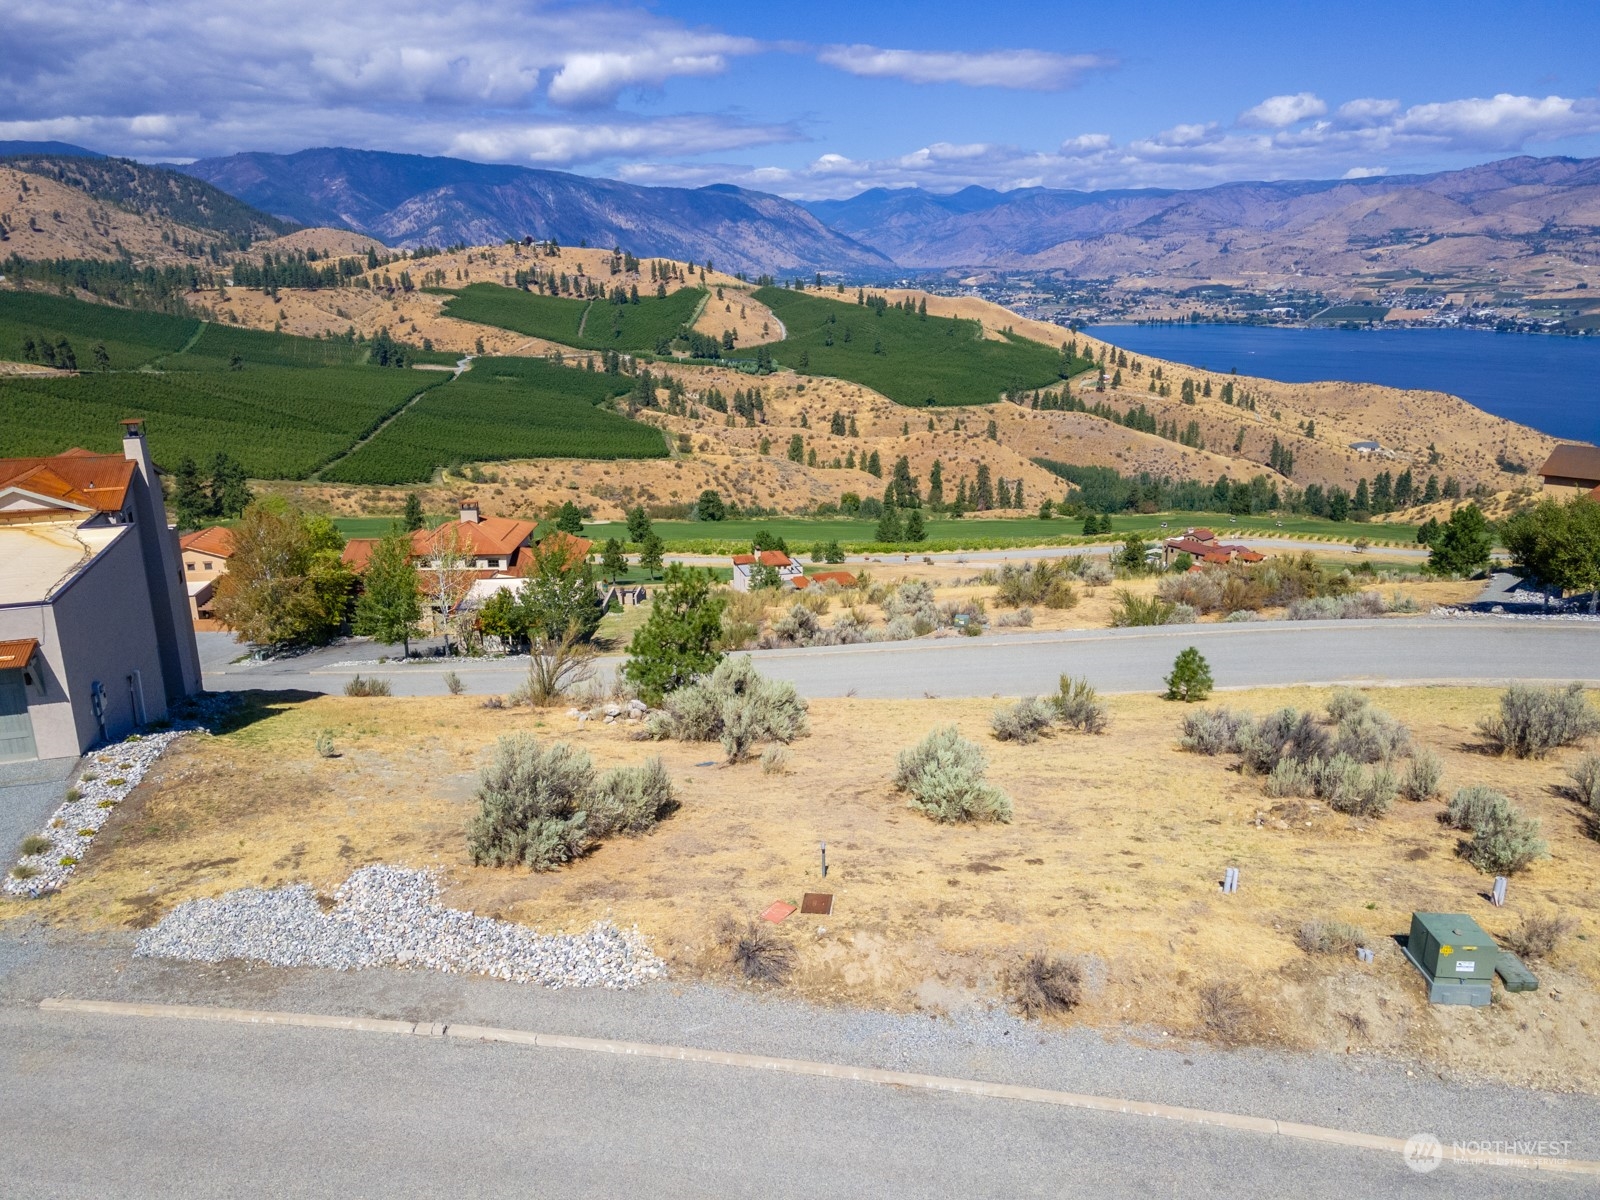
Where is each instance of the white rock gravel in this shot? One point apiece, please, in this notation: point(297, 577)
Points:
point(107, 777)
point(392, 916)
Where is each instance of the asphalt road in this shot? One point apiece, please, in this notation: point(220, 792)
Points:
point(1482, 650)
point(99, 1106)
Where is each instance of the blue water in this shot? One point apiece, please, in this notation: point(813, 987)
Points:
point(1550, 383)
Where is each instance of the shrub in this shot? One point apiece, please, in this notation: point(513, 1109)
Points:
point(22, 871)
point(325, 746)
point(1329, 937)
point(1182, 614)
point(1128, 610)
point(1025, 721)
point(799, 626)
point(1370, 735)
point(944, 776)
point(775, 760)
point(734, 705)
point(1079, 706)
point(1022, 618)
point(1535, 720)
point(366, 687)
point(1473, 806)
point(1043, 983)
point(452, 683)
point(1290, 778)
point(1096, 572)
point(533, 806)
point(1212, 730)
point(73, 794)
point(1539, 934)
point(1047, 583)
point(1585, 776)
point(1344, 704)
point(1191, 677)
point(1423, 773)
point(35, 844)
point(1505, 842)
point(630, 799)
point(761, 956)
point(1224, 1012)
point(555, 667)
point(1285, 733)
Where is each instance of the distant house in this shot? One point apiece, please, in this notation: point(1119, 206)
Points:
point(1366, 447)
point(1208, 551)
point(488, 544)
point(205, 558)
point(843, 578)
point(744, 568)
point(1572, 467)
point(95, 634)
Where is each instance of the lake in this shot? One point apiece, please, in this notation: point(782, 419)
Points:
point(1550, 383)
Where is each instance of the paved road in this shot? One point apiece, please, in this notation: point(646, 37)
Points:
point(1486, 650)
point(98, 1106)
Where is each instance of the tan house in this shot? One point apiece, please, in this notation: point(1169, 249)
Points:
point(95, 635)
point(1576, 467)
point(205, 559)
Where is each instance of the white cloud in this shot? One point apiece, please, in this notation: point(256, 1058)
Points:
point(1367, 112)
point(598, 77)
point(184, 77)
point(1279, 112)
point(569, 143)
point(1501, 123)
point(1362, 138)
point(1028, 70)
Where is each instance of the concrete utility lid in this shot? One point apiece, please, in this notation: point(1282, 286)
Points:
point(36, 559)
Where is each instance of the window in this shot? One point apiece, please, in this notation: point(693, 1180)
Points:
point(208, 565)
point(189, 565)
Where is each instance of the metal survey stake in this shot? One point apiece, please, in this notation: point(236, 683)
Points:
point(824, 860)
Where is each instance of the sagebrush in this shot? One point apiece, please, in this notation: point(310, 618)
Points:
point(944, 775)
point(734, 705)
point(1533, 721)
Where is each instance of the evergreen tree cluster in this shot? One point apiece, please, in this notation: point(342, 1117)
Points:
point(222, 495)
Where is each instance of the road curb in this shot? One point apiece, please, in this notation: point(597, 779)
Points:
point(823, 1070)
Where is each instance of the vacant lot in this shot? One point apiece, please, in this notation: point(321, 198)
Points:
point(1114, 854)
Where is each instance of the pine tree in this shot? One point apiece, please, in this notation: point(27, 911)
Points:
point(414, 519)
point(915, 531)
point(230, 487)
point(888, 525)
point(935, 479)
point(983, 491)
point(569, 519)
point(875, 465)
point(679, 640)
point(638, 525)
point(191, 504)
point(613, 563)
point(651, 548)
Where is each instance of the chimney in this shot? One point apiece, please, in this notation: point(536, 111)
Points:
point(469, 512)
point(136, 451)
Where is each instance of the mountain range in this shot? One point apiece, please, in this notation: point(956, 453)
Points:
point(1521, 218)
point(410, 200)
point(1517, 208)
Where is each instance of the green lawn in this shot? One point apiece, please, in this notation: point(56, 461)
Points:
point(801, 533)
point(913, 360)
point(628, 328)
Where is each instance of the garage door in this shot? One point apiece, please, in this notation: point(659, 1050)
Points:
point(16, 727)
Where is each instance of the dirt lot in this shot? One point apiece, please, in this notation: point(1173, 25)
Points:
point(1115, 854)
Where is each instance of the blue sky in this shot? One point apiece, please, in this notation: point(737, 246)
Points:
point(821, 99)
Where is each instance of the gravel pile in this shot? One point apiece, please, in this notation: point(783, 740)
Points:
point(392, 916)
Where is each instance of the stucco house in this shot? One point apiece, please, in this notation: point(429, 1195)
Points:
point(205, 559)
point(95, 634)
point(1575, 467)
point(744, 568)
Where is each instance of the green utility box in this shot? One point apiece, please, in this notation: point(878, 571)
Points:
point(1455, 956)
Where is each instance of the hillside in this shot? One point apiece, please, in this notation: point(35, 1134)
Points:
point(410, 200)
point(1520, 215)
point(158, 194)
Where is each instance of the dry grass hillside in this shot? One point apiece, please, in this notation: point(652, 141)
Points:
point(46, 219)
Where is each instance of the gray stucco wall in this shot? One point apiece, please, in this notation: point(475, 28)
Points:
point(99, 627)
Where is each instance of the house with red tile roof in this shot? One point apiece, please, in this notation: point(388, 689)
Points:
point(744, 568)
point(1210, 553)
point(95, 635)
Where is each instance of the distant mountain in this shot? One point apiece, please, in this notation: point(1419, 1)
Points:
point(9, 148)
point(1518, 208)
point(158, 193)
point(409, 200)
